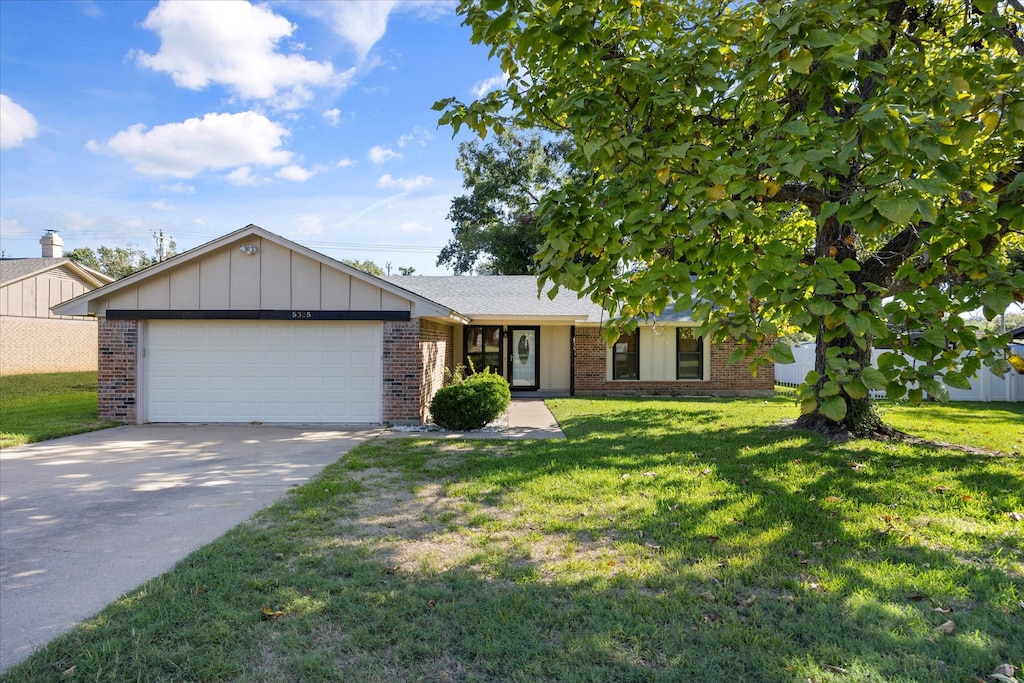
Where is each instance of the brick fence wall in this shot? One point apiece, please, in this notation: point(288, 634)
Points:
point(118, 367)
point(32, 345)
point(725, 379)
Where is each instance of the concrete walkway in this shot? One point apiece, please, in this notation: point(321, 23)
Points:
point(528, 418)
point(87, 518)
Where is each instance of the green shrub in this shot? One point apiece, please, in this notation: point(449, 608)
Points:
point(470, 403)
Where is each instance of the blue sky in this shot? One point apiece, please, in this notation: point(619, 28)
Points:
point(312, 120)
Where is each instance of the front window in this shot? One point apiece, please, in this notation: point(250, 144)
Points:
point(626, 357)
point(483, 348)
point(689, 355)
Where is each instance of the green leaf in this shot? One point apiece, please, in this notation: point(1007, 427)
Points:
point(935, 336)
point(855, 389)
point(957, 380)
point(873, 379)
point(834, 408)
point(808, 406)
point(820, 307)
point(801, 62)
point(781, 353)
point(797, 127)
point(899, 210)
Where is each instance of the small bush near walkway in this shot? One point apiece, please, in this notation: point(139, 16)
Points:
point(470, 403)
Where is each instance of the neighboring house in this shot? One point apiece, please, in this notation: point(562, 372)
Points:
point(252, 327)
point(32, 338)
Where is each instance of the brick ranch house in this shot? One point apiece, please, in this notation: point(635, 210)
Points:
point(32, 338)
point(254, 327)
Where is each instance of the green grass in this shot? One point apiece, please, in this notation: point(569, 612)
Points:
point(996, 426)
point(40, 407)
point(664, 540)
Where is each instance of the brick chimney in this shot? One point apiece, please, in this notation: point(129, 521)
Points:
point(53, 245)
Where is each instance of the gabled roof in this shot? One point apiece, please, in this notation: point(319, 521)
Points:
point(82, 304)
point(505, 297)
point(14, 269)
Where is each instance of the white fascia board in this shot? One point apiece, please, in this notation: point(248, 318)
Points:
point(534, 319)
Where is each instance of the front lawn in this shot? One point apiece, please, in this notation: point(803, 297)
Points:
point(664, 540)
point(40, 407)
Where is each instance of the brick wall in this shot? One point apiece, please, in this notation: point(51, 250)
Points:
point(402, 372)
point(725, 379)
point(33, 345)
point(118, 369)
point(437, 352)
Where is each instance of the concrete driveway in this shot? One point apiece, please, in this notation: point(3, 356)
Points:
point(86, 518)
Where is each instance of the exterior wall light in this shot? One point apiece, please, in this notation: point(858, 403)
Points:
point(249, 249)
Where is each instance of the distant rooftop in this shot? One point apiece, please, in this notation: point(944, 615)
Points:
point(15, 268)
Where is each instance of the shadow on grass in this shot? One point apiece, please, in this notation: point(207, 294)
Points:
point(704, 549)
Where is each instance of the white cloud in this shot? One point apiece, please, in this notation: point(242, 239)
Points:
point(405, 184)
point(233, 44)
point(333, 116)
point(418, 135)
point(71, 221)
point(346, 162)
point(178, 188)
point(216, 141)
point(295, 173)
point(360, 22)
point(161, 205)
point(310, 224)
point(379, 155)
point(16, 123)
point(12, 227)
point(485, 86)
point(91, 9)
point(242, 177)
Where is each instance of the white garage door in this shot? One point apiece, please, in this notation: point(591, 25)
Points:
point(258, 370)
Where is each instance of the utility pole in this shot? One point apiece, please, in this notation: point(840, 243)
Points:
point(160, 241)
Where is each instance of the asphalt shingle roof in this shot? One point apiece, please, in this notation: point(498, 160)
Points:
point(509, 295)
point(14, 268)
point(497, 295)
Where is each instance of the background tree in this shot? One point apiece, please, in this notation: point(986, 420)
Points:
point(367, 266)
point(496, 228)
point(117, 262)
point(896, 126)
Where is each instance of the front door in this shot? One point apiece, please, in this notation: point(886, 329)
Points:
point(524, 358)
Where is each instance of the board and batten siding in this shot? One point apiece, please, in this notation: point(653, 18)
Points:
point(32, 297)
point(272, 278)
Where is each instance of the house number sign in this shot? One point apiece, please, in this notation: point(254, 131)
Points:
point(301, 315)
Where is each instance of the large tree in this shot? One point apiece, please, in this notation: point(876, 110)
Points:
point(894, 127)
point(118, 262)
point(496, 230)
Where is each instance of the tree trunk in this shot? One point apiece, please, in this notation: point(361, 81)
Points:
point(861, 417)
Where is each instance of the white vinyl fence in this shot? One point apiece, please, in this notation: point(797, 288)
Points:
point(984, 387)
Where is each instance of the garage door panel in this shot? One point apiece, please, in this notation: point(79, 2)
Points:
point(268, 371)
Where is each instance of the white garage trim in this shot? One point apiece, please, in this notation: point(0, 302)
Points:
point(260, 370)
